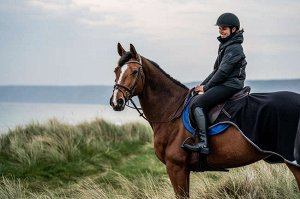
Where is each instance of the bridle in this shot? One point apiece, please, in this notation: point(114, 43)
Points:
point(131, 94)
point(132, 89)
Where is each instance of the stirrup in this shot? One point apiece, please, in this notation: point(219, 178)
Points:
point(186, 140)
point(196, 148)
point(188, 147)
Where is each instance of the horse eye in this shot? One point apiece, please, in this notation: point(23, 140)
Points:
point(134, 72)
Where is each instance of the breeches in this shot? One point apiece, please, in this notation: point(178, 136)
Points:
point(212, 97)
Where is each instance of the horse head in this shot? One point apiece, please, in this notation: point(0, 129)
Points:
point(129, 78)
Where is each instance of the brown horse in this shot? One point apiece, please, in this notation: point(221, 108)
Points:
point(161, 98)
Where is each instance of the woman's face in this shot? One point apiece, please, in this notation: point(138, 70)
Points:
point(225, 31)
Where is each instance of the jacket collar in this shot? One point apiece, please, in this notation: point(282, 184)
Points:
point(235, 38)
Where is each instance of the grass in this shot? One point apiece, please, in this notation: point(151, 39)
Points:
point(102, 160)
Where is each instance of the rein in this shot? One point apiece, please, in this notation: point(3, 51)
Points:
point(175, 115)
point(131, 93)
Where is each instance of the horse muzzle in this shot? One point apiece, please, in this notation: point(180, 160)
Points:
point(118, 105)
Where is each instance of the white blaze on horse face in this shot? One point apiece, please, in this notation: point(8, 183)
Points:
point(123, 69)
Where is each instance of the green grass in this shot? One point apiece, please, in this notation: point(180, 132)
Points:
point(102, 160)
point(56, 154)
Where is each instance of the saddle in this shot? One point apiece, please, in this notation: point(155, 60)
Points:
point(215, 111)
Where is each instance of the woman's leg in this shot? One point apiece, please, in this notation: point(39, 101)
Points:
point(201, 106)
point(213, 96)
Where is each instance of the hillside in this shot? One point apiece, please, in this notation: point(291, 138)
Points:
point(260, 86)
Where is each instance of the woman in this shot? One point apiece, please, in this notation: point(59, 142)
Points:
point(226, 79)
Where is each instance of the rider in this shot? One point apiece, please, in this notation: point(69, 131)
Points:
point(227, 78)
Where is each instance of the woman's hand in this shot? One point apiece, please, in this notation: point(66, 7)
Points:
point(199, 88)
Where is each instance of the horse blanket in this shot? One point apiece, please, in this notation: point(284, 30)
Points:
point(270, 121)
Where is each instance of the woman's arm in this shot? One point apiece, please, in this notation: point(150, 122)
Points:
point(232, 55)
point(208, 77)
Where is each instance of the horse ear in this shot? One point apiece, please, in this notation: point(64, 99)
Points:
point(121, 50)
point(133, 51)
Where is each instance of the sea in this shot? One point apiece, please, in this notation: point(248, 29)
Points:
point(19, 114)
point(20, 105)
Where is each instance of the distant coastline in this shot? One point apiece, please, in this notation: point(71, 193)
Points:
point(100, 94)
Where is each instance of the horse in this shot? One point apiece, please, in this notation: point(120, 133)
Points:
point(161, 98)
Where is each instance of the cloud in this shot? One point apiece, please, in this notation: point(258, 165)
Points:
point(156, 18)
point(174, 33)
point(174, 19)
point(169, 19)
point(54, 6)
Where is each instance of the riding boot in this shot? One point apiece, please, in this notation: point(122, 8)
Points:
point(200, 120)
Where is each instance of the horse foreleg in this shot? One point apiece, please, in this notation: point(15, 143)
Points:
point(179, 177)
point(296, 172)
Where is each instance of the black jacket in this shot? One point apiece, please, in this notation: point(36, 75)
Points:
point(229, 68)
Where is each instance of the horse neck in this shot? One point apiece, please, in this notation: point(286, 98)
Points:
point(161, 97)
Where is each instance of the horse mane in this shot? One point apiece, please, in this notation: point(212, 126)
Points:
point(167, 75)
point(128, 55)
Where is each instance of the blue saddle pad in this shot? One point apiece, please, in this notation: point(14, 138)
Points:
point(214, 130)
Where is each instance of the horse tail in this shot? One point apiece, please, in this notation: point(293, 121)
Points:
point(297, 144)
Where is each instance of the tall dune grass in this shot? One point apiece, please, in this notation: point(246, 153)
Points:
point(102, 160)
point(60, 142)
point(56, 153)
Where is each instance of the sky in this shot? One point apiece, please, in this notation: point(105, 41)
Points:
point(74, 42)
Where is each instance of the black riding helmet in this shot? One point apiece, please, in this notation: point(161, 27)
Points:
point(228, 19)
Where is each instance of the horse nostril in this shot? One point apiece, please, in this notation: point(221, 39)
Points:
point(120, 102)
point(110, 101)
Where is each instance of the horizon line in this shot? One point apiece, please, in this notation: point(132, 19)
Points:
point(75, 85)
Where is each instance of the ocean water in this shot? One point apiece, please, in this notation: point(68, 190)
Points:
point(20, 105)
point(13, 114)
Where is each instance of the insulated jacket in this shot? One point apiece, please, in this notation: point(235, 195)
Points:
point(229, 68)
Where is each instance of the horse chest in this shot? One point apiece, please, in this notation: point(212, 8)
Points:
point(160, 145)
point(166, 142)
